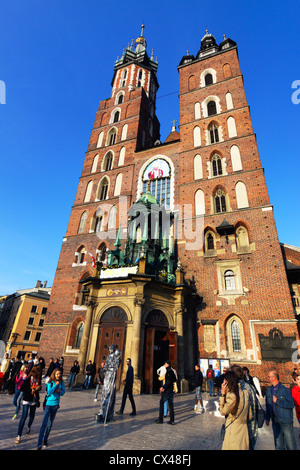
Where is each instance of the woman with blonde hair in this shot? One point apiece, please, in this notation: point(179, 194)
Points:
point(55, 389)
point(235, 405)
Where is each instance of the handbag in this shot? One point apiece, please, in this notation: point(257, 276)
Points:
point(261, 416)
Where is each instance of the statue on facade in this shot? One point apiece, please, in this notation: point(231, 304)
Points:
point(108, 398)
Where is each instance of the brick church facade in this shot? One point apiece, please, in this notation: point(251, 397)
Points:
point(210, 282)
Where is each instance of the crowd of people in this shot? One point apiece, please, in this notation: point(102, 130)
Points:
point(238, 397)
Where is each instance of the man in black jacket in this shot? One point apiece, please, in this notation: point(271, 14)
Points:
point(128, 390)
point(167, 394)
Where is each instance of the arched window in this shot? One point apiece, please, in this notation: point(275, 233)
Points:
point(140, 77)
point(97, 222)
point(118, 185)
point(95, 164)
point(236, 158)
point(213, 133)
point(116, 116)
point(158, 175)
point(111, 136)
point(229, 280)
point(216, 165)
point(232, 132)
point(197, 110)
point(198, 174)
point(101, 253)
point(242, 239)
point(80, 255)
point(108, 161)
point(124, 76)
point(208, 79)
point(88, 192)
point(199, 202)
point(122, 156)
point(211, 108)
point(82, 223)
point(120, 98)
point(112, 218)
point(103, 189)
point(220, 201)
point(241, 195)
point(197, 136)
point(209, 242)
point(235, 336)
point(100, 139)
point(78, 336)
point(124, 132)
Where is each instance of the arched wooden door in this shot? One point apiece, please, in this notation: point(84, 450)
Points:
point(112, 331)
point(160, 346)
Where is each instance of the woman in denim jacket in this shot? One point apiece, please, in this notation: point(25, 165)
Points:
point(55, 389)
point(279, 408)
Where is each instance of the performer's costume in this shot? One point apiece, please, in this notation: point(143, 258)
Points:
point(108, 398)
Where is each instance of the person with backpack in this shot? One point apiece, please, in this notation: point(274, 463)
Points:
point(210, 376)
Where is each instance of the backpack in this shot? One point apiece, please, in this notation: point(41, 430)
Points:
point(209, 374)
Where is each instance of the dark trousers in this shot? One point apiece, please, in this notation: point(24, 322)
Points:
point(127, 391)
point(166, 396)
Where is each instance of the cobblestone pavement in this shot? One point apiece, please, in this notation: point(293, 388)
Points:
point(75, 428)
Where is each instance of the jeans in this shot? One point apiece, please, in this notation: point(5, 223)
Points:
point(26, 408)
point(17, 400)
point(71, 379)
point(49, 415)
point(284, 437)
point(97, 390)
point(87, 381)
point(211, 387)
point(166, 397)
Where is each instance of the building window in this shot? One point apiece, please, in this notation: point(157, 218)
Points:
point(27, 336)
point(157, 177)
point(213, 133)
point(112, 136)
point(103, 190)
point(210, 242)
point(220, 201)
point(235, 336)
point(208, 79)
point(31, 321)
point(211, 108)
point(33, 309)
point(140, 76)
point(116, 116)
point(229, 280)
point(124, 76)
point(44, 310)
point(82, 223)
point(121, 98)
point(37, 337)
point(216, 163)
point(78, 336)
point(108, 161)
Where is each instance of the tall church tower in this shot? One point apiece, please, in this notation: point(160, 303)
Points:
point(208, 285)
point(238, 266)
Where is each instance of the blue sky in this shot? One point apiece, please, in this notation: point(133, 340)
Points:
point(57, 59)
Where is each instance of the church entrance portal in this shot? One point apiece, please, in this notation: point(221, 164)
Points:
point(112, 331)
point(160, 346)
